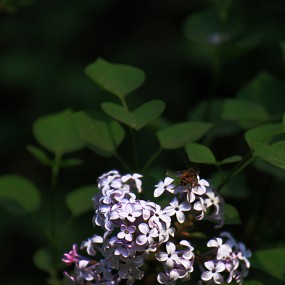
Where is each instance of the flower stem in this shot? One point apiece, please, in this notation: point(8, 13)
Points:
point(151, 160)
point(247, 159)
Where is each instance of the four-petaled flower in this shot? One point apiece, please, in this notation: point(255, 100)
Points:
point(214, 271)
point(170, 256)
point(147, 235)
point(224, 250)
point(126, 232)
point(178, 209)
point(164, 185)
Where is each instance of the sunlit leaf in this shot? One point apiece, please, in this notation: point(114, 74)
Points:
point(245, 113)
point(274, 154)
point(200, 153)
point(79, 201)
point(265, 90)
point(40, 155)
point(270, 261)
point(262, 133)
point(178, 135)
point(138, 118)
point(42, 260)
point(20, 191)
point(99, 133)
point(56, 133)
point(231, 215)
point(118, 79)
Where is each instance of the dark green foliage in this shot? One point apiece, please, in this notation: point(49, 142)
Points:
point(213, 99)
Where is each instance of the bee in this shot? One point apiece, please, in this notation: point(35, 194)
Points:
point(187, 177)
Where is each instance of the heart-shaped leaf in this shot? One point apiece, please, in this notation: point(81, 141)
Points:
point(274, 154)
point(200, 153)
point(20, 191)
point(262, 133)
point(138, 118)
point(98, 132)
point(56, 133)
point(80, 200)
point(245, 113)
point(118, 79)
point(178, 135)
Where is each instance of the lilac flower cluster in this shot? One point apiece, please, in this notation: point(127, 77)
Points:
point(230, 261)
point(135, 231)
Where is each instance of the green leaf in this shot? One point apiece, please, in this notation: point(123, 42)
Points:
point(274, 154)
point(56, 133)
point(231, 159)
point(20, 191)
point(205, 27)
point(265, 90)
point(42, 260)
point(270, 261)
point(138, 118)
point(246, 114)
point(178, 135)
point(231, 215)
point(99, 133)
point(118, 79)
point(200, 153)
point(283, 121)
point(40, 155)
point(262, 133)
point(79, 201)
point(236, 188)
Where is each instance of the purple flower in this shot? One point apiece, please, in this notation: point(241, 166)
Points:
point(126, 232)
point(147, 234)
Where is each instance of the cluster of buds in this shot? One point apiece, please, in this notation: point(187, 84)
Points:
point(135, 232)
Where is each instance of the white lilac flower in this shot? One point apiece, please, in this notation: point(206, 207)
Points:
point(201, 207)
point(244, 254)
point(158, 216)
point(129, 212)
point(90, 243)
point(126, 232)
point(136, 178)
point(214, 271)
point(168, 278)
point(147, 235)
point(213, 200)
point(188, 253)
point(198, 190)
point(224, 250)
point(170, 256)
point(162, 186)
point(177, 209)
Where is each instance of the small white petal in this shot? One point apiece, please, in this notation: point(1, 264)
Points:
point(207, 275)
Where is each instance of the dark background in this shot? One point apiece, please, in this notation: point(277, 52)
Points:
point(45, 46)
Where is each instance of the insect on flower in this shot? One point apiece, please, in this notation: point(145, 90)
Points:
point(187, 177)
